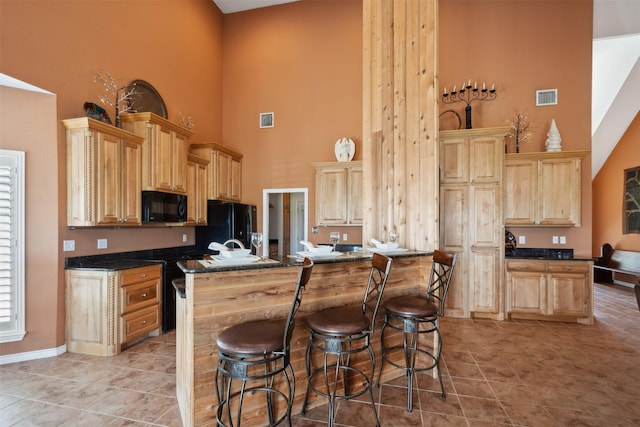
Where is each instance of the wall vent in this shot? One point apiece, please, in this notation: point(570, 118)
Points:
point(547, 97)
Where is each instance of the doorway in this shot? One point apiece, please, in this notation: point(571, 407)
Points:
point(284, 220)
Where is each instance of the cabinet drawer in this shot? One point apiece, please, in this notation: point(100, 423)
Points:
point(526, 265)
point(135, 275)
point(569, 267)
point(140, 322)
point(139, 295)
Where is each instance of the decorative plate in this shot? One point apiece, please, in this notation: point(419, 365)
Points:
point(146, 99)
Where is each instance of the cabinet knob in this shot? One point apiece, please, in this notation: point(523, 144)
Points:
point(143, 275)
point(144, 295)
point(144, 322)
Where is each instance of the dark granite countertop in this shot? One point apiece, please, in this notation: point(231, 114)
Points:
point(196, 266)
point(113, 264)
point(544, 254)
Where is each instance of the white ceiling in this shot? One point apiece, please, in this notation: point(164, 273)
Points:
point(231, 6)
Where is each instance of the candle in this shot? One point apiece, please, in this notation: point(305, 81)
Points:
point(483, 86)
point(493, 86)
point(469, 84)
point(454, 89)
point(445, 90)
point(476, 85)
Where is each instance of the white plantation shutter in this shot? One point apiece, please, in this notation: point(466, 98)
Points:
point(12, 188)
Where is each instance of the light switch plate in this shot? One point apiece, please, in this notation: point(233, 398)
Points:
point(563, 240)
point(522, 240)
point(102, 243)
point(554, 239)
point(68, 245)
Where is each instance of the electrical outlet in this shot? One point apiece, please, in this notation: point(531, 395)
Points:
point(554, 240)
point(184, 237)
point(102, 243)
point(344, 236)
point(314, 230)
point(68, 245)
point(522, 240)
point(563, 240)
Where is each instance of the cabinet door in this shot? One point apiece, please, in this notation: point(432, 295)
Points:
point(454, 161)
point(331, 196)
point(235, 178)
point(521, 192)
point(201, 195)
point(485, 216)
point(356, 210)
point(192, 172)
point(526, 292)
point(131, 183)
point(453, 238)
point(223, 162)
point(180, 150)
point(559, 192)
point(161, 172)
point(485, 278)
point(570, 288)
point(485, 159)
point(108, 176)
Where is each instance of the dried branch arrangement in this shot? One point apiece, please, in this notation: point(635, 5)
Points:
point(113, 95)
point(520, 129)
point(185, 122)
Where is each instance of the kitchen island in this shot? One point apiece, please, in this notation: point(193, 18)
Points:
point(216, 297)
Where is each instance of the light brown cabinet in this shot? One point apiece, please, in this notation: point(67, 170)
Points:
point(224, 173)
point(164, 152)
point(196, 190)
point(339, 193)
point(107, 310)
point(543, 189)
point(104, 173)
point(471, 224)
point(550, 290)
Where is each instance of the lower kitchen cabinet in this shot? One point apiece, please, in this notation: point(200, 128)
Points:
point(550, 290)
point(109, 309)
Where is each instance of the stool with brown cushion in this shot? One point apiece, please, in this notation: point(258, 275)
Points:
point(339, 333)
point(417, 316)
point(255, 353)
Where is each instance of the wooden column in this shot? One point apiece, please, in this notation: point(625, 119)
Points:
point(400, 120)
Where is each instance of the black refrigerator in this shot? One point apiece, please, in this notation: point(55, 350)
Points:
point(226, 221)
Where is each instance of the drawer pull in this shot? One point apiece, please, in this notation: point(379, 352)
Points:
point(144, 295)
point(143, 275)
point(144, 322)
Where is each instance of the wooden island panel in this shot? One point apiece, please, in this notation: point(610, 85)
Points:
point(217, 300)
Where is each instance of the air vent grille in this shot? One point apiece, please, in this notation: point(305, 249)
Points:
point(547, 97)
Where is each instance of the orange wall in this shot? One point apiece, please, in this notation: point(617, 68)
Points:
point(303, 62)
point(608, 193)
point(524, 46)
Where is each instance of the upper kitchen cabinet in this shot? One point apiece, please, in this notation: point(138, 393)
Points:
point(471, 157)
point(224, 173)
point(196, 190)
point(104, 176)
point(164, 152)
point(543, 189)
point(339, 193)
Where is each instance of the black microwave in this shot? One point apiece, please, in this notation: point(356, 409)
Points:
point(163, 207)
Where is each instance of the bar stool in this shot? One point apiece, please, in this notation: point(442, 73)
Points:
point(258, 351)
point(337, 334)
point(415, 316)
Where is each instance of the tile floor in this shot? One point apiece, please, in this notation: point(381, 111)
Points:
point(512, 373)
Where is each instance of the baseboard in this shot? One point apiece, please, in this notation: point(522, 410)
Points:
point(621, 283)
point(32, 355)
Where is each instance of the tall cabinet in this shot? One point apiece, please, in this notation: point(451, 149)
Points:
point(471, 219)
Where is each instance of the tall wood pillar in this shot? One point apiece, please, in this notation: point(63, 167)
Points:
point(400, 120)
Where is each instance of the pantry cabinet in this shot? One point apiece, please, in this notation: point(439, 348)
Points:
point(543, 189)
point(550, 290)
point(471, 215)
point(196, 190)
point(164, 152)
point(109, 309)
point(339, 193)
point(224, 173)
point(104, 174)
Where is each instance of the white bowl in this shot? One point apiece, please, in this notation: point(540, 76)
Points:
point(387, 246)
point(235, 253)
point(321, 249)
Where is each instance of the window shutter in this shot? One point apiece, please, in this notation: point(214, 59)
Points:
point(11, 245)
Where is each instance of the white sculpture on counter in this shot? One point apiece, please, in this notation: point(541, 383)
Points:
point(553, 138)
point(345, 149)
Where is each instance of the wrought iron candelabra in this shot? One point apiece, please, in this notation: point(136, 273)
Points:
point(468, 94)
